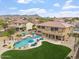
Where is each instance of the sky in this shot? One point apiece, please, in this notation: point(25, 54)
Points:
point(44, 8)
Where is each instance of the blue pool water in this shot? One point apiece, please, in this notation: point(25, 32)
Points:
point(26, 41)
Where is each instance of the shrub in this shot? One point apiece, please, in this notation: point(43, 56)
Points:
point(68, 57)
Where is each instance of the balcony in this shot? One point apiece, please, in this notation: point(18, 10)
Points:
point(19, 26)
point(51, 32)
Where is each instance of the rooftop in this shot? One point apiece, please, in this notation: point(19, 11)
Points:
point(20, 21)
point(55, 24)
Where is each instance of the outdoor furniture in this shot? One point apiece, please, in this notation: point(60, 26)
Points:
point(34, 44)
point(41, 39)
point(4, 45)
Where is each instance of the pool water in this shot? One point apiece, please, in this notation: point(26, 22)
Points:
point(26, 41)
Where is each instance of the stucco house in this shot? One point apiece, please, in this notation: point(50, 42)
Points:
point(76, 29)
point(29, 26)
point(56, 30)
point(21, 24)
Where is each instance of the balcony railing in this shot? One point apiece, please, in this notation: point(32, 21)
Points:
point(52, 32)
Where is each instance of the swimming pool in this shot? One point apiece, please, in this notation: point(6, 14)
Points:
point(26, 41)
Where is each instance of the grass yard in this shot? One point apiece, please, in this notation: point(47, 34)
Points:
point(46, 51)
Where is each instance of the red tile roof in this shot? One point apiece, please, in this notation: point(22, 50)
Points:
point(55, 24)
point(20, 21)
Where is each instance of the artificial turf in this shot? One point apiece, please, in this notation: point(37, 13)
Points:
point(45, 51)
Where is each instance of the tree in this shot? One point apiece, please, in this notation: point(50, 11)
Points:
point(43, 19)
point(18, 35)
point(9, 32)
point(3, 24)
point(34, 27)
point(68, 57)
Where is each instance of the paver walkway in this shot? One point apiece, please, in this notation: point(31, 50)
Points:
point(77, 56)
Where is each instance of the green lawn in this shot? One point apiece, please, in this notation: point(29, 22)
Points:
point(46, 51)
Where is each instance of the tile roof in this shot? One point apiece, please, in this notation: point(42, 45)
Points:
point(55, 24)
point(76, 24)
point(20, 21)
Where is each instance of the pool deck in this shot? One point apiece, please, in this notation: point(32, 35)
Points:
point(69, 44)
point(2, 49)
point(77, 55)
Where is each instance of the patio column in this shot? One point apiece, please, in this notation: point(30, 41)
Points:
point(55, 37)
point(48, 36)
point(61, 38)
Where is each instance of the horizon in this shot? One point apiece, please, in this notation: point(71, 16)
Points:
point(43, 8)
point(39, 16)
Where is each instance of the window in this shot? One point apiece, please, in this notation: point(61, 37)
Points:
point(19, 23)
point(39, 31)
point(43, 27)
point(54, 29)
point(38, 26)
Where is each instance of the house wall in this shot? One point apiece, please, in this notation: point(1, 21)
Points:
point(63, 32)
point(29, 26)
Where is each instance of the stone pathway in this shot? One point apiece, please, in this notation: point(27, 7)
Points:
point(77, 55)
point(2, 50)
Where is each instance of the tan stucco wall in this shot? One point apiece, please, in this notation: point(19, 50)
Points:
point(29, 26)
point(64, 31)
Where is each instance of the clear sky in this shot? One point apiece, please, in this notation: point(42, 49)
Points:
point(58, 8)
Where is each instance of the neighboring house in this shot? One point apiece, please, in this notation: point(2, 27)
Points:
point(55, 30)
point(29, 26)
point(21, 24)
point(76, 28)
